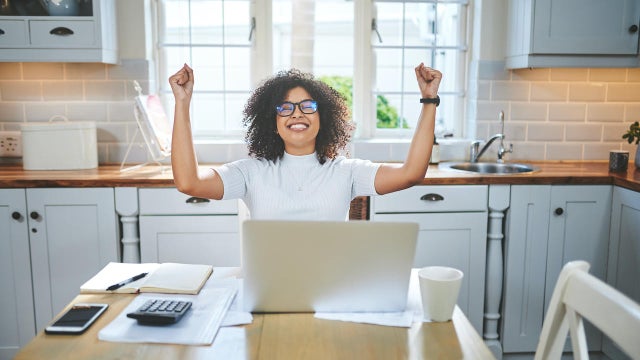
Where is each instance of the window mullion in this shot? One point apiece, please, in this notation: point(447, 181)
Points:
point(363, 73)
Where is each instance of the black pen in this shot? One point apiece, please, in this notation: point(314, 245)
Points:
point(125, 282)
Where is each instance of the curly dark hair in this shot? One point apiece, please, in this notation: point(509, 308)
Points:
point(259, 116)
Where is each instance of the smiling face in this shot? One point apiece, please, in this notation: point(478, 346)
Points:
point(298, 130)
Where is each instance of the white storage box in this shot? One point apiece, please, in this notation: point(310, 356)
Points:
point(59, 145)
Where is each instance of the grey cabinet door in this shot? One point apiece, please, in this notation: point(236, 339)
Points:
point(17, 322)
point(593, 27)
point(73, 234)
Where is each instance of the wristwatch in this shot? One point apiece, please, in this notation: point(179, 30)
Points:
point(435, 100)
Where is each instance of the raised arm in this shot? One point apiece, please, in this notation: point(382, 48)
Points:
point(183, 156)
point(391, 177)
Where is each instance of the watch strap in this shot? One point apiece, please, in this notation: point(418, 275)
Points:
point(435, 100)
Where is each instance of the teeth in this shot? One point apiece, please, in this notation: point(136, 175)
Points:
point(298, 126)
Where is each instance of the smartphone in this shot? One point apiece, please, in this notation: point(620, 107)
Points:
point(77, 319)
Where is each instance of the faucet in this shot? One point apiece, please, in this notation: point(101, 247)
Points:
point(475, 146)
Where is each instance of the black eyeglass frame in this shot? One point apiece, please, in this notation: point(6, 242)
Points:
point(280, 110)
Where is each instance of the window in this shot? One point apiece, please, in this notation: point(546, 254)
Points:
point(233, 44)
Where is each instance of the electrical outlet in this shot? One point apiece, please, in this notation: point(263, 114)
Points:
point(10, 144)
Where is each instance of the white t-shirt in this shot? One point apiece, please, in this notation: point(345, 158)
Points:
point(298, 187)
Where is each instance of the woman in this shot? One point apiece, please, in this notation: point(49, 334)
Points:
point(296, 128)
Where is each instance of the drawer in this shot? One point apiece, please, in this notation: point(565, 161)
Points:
point(437, 198)
point(13, 33)
point(81, 33)
point(169, 201)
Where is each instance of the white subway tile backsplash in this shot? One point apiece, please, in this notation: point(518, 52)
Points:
point(527, 151)
point(11, 112)
point(87, 111)
point(564, 74)
point(113, 133)
point(564, 151)
point(44, 111)
point(130, 70)
point(11, 71)
point(122, 111)
point(583, 132)
point(62, 90)
point(552, 92)
point(20, 90)
point(530, 75)
point(567, 112)
point(489, 110)
point(632, 112)
point(105, 90)
point(599, 151)
point(587, 91)
point(606, 112)
point(613, 132)
point(545, 132)
point(624, 92)
point(510, 91)
point(85, 71)
point(608, 75)
point(43, 71)
point(521, 111)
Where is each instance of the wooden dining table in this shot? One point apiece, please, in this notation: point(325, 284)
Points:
point(273, 336)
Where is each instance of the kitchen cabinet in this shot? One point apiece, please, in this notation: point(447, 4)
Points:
point(57, 238)
point(17, 319)
point(87, 36)
point(175, 227)
point(453, 232)
point(624, 251)
point(547, 226)
point(572, 33)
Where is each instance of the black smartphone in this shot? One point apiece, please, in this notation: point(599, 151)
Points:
point(77, 319)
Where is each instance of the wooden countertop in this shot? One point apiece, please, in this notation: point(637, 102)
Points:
point(557, 172)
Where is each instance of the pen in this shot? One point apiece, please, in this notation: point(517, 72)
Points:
point(125, 282)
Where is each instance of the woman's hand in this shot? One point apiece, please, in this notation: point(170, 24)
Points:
point(182, 84)
point(428, 80)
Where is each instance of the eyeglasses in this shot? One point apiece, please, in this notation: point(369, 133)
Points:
point(287, 108)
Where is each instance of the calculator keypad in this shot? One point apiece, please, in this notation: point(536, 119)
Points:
point(160, 311)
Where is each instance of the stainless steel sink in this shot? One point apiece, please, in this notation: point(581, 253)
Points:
point(489, 168)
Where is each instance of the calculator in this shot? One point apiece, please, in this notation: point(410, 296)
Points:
point(160, 311)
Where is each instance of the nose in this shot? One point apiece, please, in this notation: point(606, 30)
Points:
point(297, 112)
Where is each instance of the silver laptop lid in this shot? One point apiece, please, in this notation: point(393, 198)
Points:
point(306, 266)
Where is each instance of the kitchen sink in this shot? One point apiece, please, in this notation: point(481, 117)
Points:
point(489, 168)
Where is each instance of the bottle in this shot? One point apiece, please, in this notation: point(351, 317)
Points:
point(435, 151)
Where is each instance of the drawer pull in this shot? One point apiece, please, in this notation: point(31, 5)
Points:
point(432, 197)
point(61, 31)
point(16, 215)
point(1, 32)
point(196, 200)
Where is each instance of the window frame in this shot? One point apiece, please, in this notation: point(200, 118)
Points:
point(364, 100)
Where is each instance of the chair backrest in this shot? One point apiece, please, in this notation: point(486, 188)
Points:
point(579, 295)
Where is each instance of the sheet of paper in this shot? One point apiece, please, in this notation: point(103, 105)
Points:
point(198, 327)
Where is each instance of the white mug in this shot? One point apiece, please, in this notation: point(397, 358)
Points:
point(439, 287)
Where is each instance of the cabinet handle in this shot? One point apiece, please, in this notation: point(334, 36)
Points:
point(61, 31)
point(34, 215)
point(633, 28)
point(16, 215)
point(1, 32)
point(559, 211)
point(432, 197)
point(196, 200)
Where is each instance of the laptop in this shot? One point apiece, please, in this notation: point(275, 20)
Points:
point(327, 266)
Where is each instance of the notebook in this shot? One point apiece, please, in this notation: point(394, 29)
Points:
point(167, 278)
point(324, 266)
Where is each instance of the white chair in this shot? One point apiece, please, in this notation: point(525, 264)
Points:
point(579, 295)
